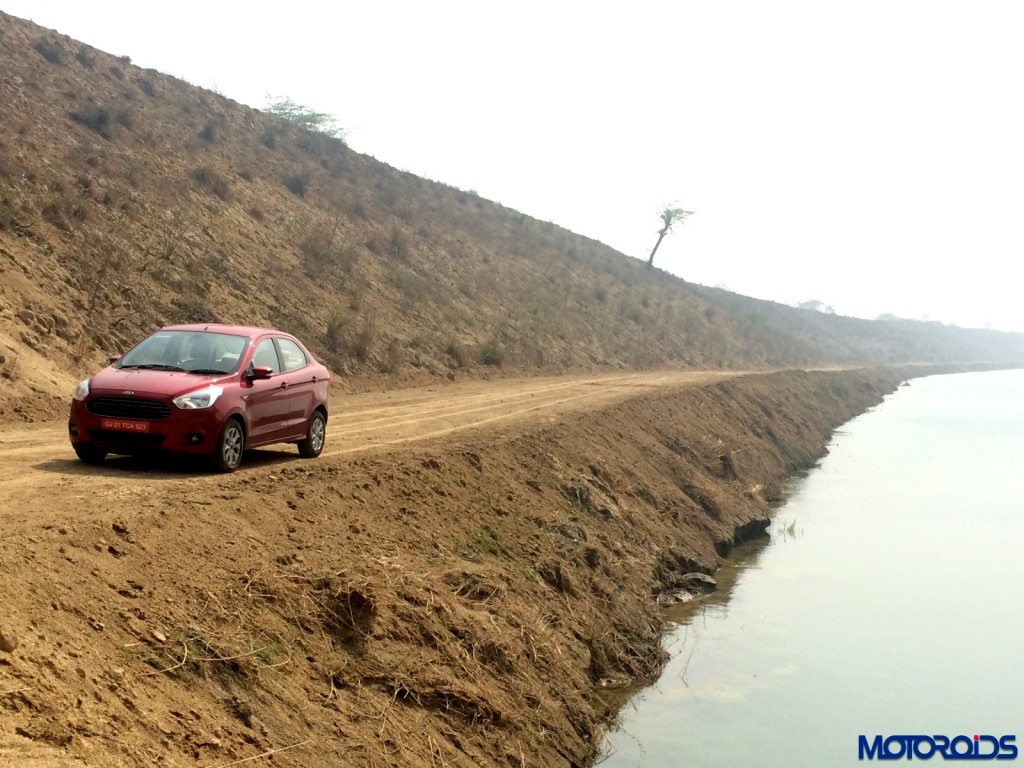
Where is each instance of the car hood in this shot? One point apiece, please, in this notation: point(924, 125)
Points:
point(121, 381)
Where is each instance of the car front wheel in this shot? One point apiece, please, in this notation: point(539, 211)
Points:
point(90, 455)
point(316, 432)
point(230, 446)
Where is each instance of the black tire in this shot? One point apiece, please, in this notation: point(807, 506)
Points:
point(90, 454)
point(316, 434)
point(230, 446)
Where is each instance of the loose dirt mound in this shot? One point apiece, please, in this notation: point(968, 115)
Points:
point(456, 603)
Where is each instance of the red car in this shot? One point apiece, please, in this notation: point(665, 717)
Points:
point(214, 390)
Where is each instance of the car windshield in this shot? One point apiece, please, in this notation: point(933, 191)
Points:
point(198, 352)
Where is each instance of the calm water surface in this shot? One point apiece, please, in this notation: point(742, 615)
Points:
point(890, 601)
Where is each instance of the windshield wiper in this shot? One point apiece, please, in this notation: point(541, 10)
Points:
point(153, 367)
point(207, 371)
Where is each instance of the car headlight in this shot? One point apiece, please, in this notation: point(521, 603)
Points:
point(201, 398)
point(82, 390)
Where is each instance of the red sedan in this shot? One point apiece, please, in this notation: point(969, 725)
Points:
point(207, 389)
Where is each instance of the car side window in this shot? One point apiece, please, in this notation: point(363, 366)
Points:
point(291, 355)
point(266, 355)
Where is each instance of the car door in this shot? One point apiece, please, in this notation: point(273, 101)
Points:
point(268, 400)
point(301, 380)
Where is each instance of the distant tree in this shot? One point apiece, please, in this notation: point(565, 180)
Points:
point(817, 306)
point(670, 217)
point(287, 109)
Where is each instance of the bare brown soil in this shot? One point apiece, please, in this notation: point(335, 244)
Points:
point(32, 454)
point(448, 585)
point(470, 560)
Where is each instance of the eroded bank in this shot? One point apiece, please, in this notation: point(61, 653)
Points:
point(454, 604)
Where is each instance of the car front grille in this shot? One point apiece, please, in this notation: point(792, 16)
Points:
point(128, 408)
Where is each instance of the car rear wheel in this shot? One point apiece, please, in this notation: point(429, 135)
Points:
point(316, 433)
point(230, 447)
point(89, 454)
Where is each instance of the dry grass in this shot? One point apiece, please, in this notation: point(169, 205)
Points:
point(324, 225)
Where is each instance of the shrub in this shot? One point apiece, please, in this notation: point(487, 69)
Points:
point(321, 249)
point(336, 324)
point(315, 248)
point(103, 120)
point(459, 353)
point(366, 337)
point(358, 209)
point(298, 183)
point(84, 57)
point(533, 353)
point(82, 347)
point(211, 131)
point(491, 353)
point(308, 142)
point(337, 163)
point(174, 233)
point(49, 50)
point(398, 244)
point(414, 287)
point(346, 258)
point(65, 210)
point(210, 180)
point(355, 301)
point(10, 221)
point(374, 244)
point(395, 358)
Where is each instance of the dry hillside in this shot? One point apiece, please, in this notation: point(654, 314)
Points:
point(466, 567)
point(130, 199)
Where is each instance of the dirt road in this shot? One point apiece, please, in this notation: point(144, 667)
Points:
point(449, 580)
point(43, 487)
point(41, 481)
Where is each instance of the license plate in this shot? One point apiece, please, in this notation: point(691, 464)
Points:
point(125, 426)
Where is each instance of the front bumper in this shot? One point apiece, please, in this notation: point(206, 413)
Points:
point(192, 431)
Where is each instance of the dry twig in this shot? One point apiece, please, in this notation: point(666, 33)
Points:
point(262, 754)
point(171, 668)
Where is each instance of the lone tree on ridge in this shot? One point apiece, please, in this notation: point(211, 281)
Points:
point(287, 109)
point(670, 217)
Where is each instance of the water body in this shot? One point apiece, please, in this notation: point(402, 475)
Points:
point(889, 601)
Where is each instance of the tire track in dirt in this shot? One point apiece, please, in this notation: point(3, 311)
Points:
point(535, 404)
point(41, 478)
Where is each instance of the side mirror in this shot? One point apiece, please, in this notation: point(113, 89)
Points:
point(260, 372)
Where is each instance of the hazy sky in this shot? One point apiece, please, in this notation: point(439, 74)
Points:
point(866, 154)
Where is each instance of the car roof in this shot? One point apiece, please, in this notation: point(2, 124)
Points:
point(235, 330)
